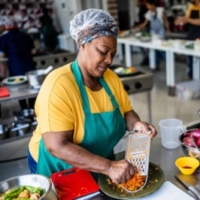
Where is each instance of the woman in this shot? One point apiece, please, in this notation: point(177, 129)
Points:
point(82, 108)
point(159, 25)
point(192, 19)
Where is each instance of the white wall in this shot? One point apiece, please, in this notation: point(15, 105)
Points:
point(65, 10)
point(132, 11)
point(91, 4)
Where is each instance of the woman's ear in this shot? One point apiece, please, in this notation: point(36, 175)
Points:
point(81, 47)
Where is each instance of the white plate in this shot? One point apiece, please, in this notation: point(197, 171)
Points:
point(16, 80)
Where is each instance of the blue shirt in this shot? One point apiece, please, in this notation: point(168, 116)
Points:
point(17, 47)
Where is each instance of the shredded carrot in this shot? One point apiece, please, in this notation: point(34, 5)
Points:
point(135, 183)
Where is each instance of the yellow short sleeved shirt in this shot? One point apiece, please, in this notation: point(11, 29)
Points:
point(191, 8)
point(59, 104)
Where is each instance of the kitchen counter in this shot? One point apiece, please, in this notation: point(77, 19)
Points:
point(165, 158)
point(18, 92)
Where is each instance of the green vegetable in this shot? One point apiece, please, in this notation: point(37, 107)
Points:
point(190, 46)
point(145, 34)
point(30, 188)
point(13, 193)
point(11, 79)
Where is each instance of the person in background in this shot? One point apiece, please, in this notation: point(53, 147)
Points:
point(159, 25)
point(48, 31)
point(192, 18)
point(82, 108)
point(18, 48)
point(141, 10)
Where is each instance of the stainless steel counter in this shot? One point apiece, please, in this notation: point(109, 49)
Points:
point(17, 92)
point(165, 158)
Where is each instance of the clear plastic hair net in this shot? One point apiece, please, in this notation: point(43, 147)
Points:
point(92, 23)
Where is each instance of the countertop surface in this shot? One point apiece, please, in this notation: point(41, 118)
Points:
point(165, 158)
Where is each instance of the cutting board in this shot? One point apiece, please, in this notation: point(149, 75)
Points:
point(74, 183)
point(4, 92)
point(168, 191)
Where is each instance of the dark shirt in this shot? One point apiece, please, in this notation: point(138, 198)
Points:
point(17, 47)
point(141, 15)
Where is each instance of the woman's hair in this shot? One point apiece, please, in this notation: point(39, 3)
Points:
point(90, 24)
point(152, 2)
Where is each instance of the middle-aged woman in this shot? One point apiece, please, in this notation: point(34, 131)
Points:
point(159, 26)
point(82, 108)
point(192, 19)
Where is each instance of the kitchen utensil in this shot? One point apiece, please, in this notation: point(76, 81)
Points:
point(187, 165)
point(155, 180)
point(48, 69)
point(20, 128)
point(24, 114)
point(137, 153)
point(14, 80)
point(170, 130)
point(34, 180)
point(191, 151)
point(36, 77)
point(188, 187)
point(74, 183)
point(4, 92)
point(4, 131)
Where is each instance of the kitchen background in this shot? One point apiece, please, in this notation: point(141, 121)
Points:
point(27, 12)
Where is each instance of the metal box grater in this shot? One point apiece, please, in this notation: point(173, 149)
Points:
point(137, 153)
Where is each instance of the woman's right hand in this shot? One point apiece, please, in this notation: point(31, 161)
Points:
point(121, 171)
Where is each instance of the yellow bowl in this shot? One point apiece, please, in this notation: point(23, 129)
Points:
point(187, 165)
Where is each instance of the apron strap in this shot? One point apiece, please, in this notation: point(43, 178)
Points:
point(79, 80)
point(110, 94)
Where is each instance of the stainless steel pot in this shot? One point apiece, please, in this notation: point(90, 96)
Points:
point(25, 114)
point(36, 77)
point(4, 131)
point(191, 151)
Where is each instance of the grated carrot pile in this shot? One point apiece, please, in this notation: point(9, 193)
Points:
point(135, 183)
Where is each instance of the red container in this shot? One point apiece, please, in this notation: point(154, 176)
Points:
point(74, 183)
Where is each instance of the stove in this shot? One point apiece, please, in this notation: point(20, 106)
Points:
point(136, 82)
point(57, 58)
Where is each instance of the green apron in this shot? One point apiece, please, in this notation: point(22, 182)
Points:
point(102, 131)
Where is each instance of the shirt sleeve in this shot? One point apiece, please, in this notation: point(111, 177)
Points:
point(188, 11)
point(148, 16)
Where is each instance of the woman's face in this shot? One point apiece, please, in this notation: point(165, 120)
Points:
point(98, 55)
point(149, 6)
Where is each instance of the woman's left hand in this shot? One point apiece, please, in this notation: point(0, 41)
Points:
point(145, 128)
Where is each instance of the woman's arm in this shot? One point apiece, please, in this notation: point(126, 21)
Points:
point(131, 118)
point(60, 145)
point(141, 26)
point(133, 123)
point(166, 22)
